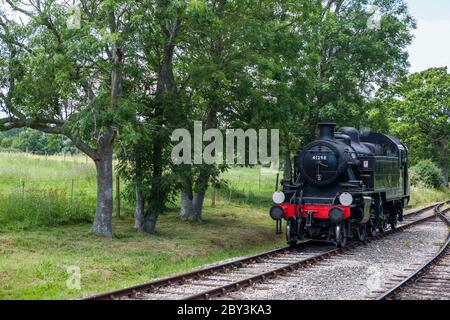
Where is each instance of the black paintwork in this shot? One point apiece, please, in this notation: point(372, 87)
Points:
point(372, 165)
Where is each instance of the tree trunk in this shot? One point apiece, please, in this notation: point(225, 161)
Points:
point(157, 198)
point(197, 204)
point(445, 174)
point(287, 173)
point(139, 211)
point(103, 213)
point(150, 219)
point(186, 208)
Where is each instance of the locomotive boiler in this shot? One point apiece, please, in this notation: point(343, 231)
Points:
point(345, 185)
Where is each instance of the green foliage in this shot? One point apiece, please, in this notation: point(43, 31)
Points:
point(33, 141)
point(426, 174)
point(418, 112)
point(6, 142)
point(284, 64)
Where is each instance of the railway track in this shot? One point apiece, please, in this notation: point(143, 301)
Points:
point(431, 281)
point(218, 280)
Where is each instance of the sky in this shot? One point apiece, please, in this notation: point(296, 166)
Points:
point(431, 45)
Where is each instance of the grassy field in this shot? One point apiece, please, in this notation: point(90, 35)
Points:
point(39, 190)
point(33, 263)
point(47, 204)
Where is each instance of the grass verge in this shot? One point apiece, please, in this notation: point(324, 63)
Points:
point(33, 263)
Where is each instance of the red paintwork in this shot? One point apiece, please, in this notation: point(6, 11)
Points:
point(320, 211)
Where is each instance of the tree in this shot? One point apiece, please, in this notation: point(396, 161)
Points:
point(325, 63)
point(64, 80)
point(215, 54)
point(419, 114)
point(158, 98)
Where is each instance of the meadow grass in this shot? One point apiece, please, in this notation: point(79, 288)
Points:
point(45, 191)
point(420, 196)
point(45, 223)
point(33, 263)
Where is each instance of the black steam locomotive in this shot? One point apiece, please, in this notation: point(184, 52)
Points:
point(344, 185)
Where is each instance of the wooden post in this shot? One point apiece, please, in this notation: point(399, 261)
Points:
point(117, 196)
point(213, 200)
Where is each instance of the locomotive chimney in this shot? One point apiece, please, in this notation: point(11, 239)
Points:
point(327, 130)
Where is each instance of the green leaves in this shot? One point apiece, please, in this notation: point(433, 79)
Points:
point(419, 110)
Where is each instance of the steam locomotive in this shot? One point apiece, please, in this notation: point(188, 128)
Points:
point(345, 185)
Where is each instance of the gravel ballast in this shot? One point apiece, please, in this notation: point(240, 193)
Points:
point(359, 274)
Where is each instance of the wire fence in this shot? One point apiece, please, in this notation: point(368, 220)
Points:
point(36, 188)
point(63, 156)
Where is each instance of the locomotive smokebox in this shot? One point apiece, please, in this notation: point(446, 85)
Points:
point(327, 130)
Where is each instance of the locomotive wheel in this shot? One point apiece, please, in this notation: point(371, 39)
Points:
point(400, 215)
point(371, 229)
point(291, 241)
point(383, 225)
point(361, 232)
point(393, 221)
point(340, 233)
point(383, 218)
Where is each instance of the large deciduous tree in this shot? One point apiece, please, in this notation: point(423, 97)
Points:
point(419, 114)
point(327, 62)
point(158, 93)
point(68, 79)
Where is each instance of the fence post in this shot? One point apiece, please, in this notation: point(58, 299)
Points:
point(118, 196)
point(23, 193)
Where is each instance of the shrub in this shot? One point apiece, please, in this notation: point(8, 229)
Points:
point(426, 173)
point(6, 142)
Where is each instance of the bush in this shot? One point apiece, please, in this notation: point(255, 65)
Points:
point(29, 140)
point(426, 174)
point(6, 142)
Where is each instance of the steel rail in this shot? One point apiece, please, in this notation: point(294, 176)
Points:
point(235, 286)
point(155, 284)
point(393, 293)
point(235, 264)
